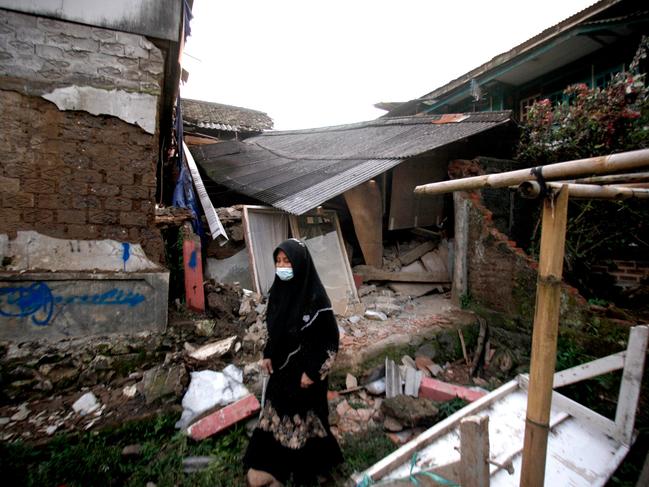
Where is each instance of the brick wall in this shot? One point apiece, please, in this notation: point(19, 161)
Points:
point(503, 277)
point(74, 175)
point(70, 174)
point(625, 273)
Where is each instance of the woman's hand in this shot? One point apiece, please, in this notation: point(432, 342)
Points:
point(305, 381)
point(267, 366)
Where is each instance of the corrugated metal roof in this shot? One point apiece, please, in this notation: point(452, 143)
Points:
point(301, 169)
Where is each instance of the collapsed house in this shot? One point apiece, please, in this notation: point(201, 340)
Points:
point(339, 187)
point(87, 97)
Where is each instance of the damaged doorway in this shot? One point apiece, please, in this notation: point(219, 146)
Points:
point(265, 228)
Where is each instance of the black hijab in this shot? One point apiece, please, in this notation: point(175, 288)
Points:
point(292, 303)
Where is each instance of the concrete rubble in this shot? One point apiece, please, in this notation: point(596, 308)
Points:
point(133, 375)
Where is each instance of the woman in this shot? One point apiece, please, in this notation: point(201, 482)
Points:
point(293, 437)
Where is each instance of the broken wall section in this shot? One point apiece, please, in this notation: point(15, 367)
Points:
point(82, 165)
point(502, 277)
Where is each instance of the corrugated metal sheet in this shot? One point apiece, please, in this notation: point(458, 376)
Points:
point(299, 170)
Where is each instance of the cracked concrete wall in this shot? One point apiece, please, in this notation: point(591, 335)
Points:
point(69, 173)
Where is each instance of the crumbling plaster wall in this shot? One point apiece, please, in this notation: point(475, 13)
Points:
point(77, 135)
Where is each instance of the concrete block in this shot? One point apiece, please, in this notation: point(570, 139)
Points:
point(224, 417)
point(437, 390)
point(55, 305)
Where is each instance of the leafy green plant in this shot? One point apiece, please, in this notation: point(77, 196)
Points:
point(591, 122)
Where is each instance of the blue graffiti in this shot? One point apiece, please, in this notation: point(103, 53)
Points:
point(192, 260)
point(35, 300)
point(38, 302)
point(127, 253)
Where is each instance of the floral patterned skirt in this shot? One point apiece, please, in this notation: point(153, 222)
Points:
point(292, 438)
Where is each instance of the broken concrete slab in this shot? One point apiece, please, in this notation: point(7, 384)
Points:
point(214, 349)
point(224, 417)
point(32, 251)
point(163, 381)
point(410, 411)
point(50, 306)
point(413, 290)
point(86, 404)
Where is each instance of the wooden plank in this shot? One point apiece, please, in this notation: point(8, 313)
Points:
point(589, 370)
point(366, 208)
point(544, 339)
point(627, 402)
point(460, 248)
point(403, 454)
point(474, 447)
point(193, 266)
point(417, 252)
point(369, 273)
point(576, 410)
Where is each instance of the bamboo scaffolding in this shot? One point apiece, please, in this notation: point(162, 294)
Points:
point(532, 189)
point(594, 165)
point(546, 315)
point(544, 339)
point(634, 177)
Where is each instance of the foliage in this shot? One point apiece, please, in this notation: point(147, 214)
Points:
point(591, 122)
point(363, 450)
point(95, 458)
point(449, 407)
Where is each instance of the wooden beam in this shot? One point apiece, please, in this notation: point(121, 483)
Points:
point(474, 448)
point(414, 254)
point(544, 339)
point(366, 208)
point(589, 370)
point(460, 248)
point(369, 273)
point(594, 165)
point(631, 381)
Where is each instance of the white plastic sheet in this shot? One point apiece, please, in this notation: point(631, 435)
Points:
point(209, 389)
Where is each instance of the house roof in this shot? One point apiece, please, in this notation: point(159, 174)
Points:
point(300, 169)
point(216, 116)
point(579, 35)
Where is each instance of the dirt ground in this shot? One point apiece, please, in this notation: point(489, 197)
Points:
point(36, 419)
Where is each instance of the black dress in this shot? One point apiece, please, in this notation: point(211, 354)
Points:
point(293, 437)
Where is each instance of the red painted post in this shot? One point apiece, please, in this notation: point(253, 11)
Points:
point(193, 264)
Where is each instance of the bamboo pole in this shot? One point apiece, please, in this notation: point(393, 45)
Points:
point(532, 189)
point(594, 165)
point(634, 177)
point(544, 339)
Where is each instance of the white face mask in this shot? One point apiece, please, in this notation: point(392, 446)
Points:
point(284, 273)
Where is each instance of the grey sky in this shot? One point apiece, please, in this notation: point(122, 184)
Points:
point(312, 63)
